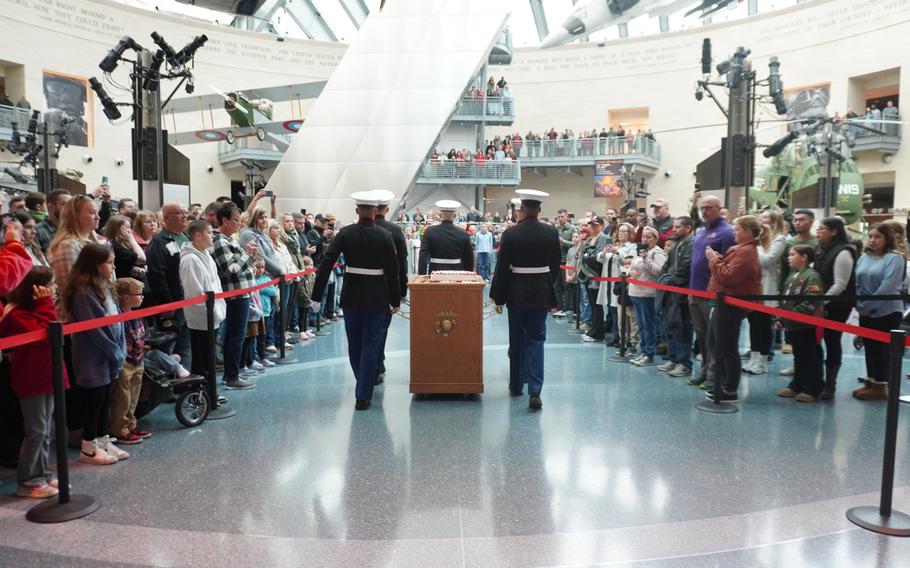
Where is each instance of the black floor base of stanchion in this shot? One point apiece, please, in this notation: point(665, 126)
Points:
point(870, 518)
point(287, 360)
point(54, 512)
point(715, 408)
point(223, 411)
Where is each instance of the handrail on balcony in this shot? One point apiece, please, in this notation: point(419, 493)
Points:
point(505, 170)
point(890, 125)
point(473, 105)
point(11, 114)
point(594, 147)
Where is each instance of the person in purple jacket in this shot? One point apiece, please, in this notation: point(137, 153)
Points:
point(716, 233)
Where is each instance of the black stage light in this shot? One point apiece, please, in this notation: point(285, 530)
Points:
point(779, 145)
point(190, 86)
point(153, 77)
point(109, 63)
point(836, 155)
point(189, 50)
point(706, 56)
point(169, 52)
point(16, 175)
point(110, 109)
point(15, 139)
point(33, 155)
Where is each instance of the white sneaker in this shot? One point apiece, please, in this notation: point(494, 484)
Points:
point(667, 367)
point(266, 363)
point(109, 447)
point(92, 453)
point(257, 366)
point(182, 373)
point(309, 334)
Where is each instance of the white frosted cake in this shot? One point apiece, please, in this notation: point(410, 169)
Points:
point(454, 276)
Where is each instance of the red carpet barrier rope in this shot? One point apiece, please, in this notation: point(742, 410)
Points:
point(874, 335)
point(76, 327)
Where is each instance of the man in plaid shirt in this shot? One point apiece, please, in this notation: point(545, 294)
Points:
point(235, 268)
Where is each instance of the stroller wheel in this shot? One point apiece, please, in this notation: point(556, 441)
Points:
point(192, 407)
point(857, 342)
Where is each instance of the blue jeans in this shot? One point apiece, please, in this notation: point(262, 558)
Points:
point(527, 334)
point(647, 323)
point(679, 343)
point(585, 306)
point(364, 329)
point(236, 314)
point(483, 264)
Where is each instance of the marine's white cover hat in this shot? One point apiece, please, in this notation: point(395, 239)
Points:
point(384, 196)
point(366, 198)
point(532, 196)
point(448, 205)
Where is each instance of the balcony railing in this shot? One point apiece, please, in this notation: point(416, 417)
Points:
point(586, 149)
point(248, 148)
point(888, 139)
point(9, 115)
point(487, 172)
point(490, 109)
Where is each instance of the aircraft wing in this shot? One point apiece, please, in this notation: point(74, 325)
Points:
point(708, 7)
point(207, 135)
point(277, 93)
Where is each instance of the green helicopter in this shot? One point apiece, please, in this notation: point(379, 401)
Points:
point(798, 168)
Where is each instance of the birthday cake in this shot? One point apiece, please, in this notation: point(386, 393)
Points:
point(454, 276)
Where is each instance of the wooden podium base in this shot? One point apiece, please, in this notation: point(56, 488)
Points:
point(446, 336)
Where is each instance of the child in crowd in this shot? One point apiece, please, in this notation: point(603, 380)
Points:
point(269, 298)
point(198, 275)
point(253, 358)
point(125, 390)
point(98, 354)
point(807, 383)
point(30, 308)
point(304, 291)
point(626, 310)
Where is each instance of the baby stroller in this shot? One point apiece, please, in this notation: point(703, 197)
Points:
point(160, 384)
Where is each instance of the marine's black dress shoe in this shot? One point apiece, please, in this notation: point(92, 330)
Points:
point(515, 393)
point(380, 378)
point(534, 402)
point(362, 405)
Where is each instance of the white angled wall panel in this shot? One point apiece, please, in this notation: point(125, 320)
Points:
point(386, 104)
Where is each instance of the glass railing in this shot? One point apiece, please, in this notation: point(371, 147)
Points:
point(487, 171)
point(581, 149)
point(890, 126)
point(247, 143)
point(501, 108)
point(11, 114)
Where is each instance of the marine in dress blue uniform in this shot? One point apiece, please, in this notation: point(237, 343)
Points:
point(401, 250)
point(445, 246)
point(528, 257)
point(371, 290)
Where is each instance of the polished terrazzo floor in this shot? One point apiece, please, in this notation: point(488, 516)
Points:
point(618, 469)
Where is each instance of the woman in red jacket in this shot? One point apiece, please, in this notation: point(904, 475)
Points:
point(31, 308)
point(736, 272)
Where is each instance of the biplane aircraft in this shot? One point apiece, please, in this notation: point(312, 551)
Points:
point(250, 111)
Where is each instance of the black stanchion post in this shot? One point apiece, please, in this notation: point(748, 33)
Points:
point(67, 507)
point(284, 302)
point(883, 519)
point(620, 357)
point(717, 406)
point(216, 411)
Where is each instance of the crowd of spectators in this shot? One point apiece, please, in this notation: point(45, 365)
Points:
point(773, 252)
point(85, 257)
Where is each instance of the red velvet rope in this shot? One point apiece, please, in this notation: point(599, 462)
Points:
point(77, 327)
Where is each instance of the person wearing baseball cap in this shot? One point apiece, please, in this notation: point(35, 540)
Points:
point(527, 262)
point(371, 289)
point(445, 246)
point(662, 220)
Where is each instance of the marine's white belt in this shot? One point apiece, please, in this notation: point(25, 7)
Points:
point(365, 271)
point(530, 269)
point(445, 261)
